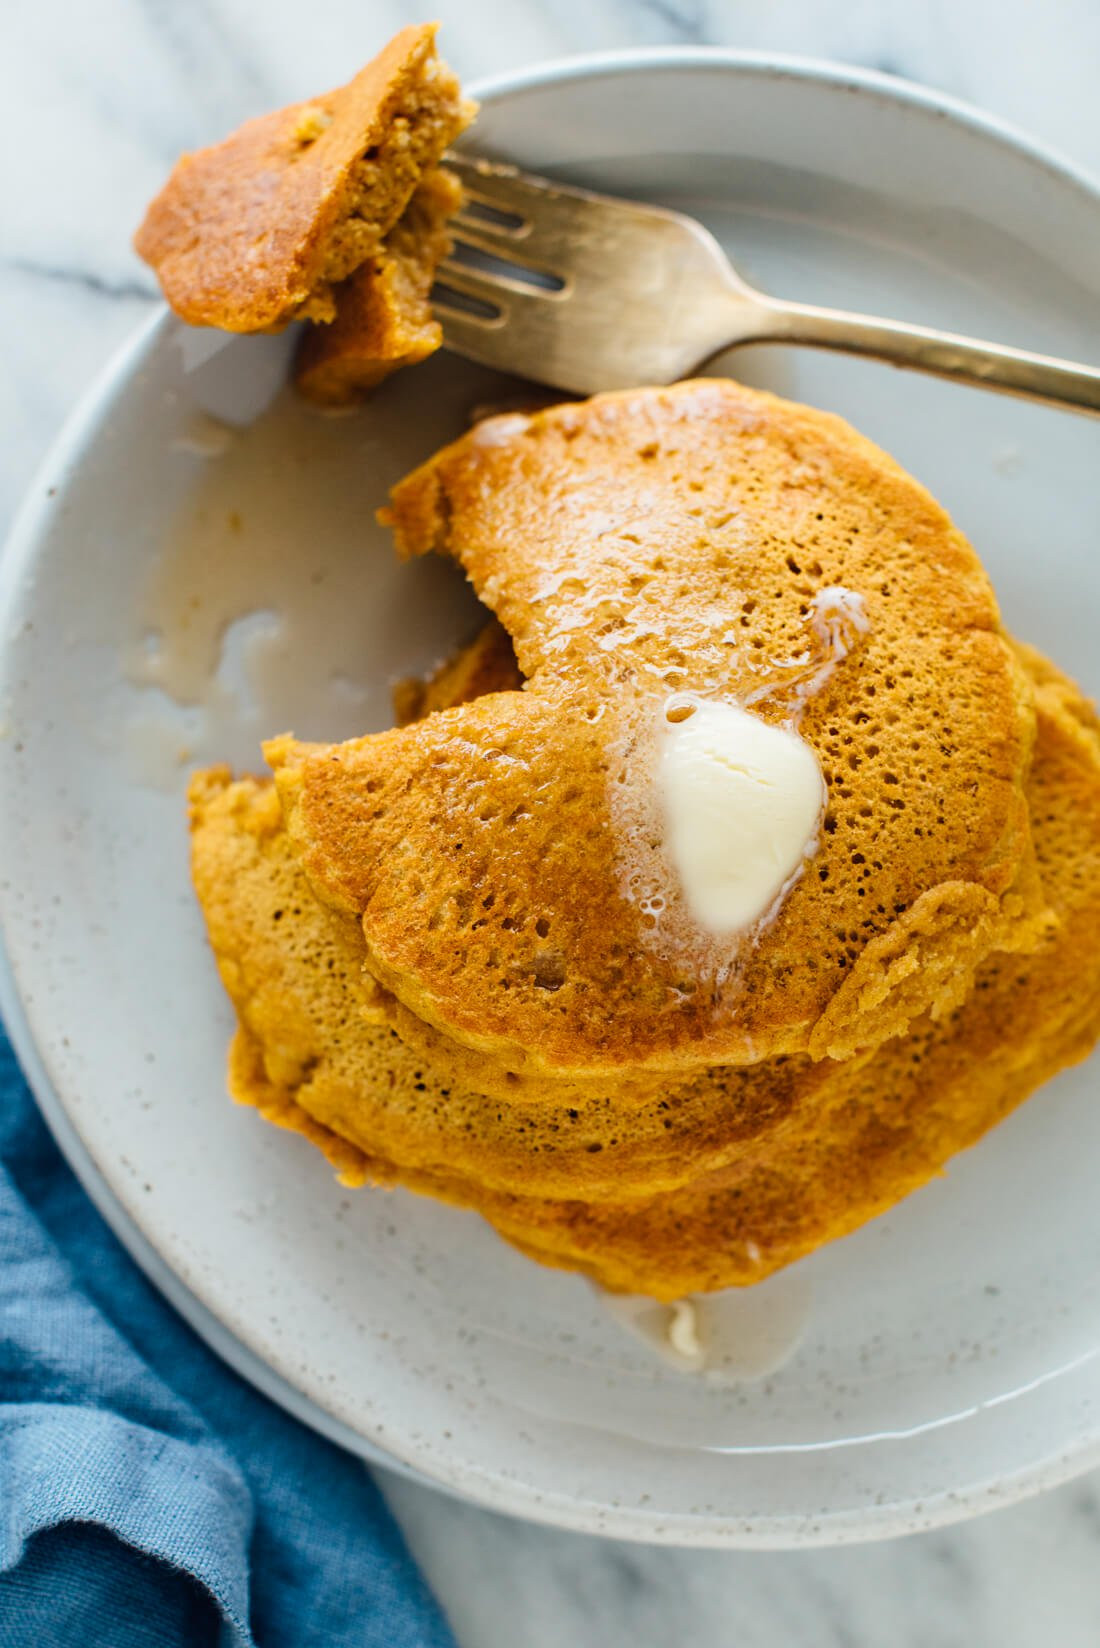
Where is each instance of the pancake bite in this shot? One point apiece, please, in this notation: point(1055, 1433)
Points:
point(511, 861)
point(272, 224)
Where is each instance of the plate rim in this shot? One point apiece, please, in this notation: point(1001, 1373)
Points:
point(866, 1523)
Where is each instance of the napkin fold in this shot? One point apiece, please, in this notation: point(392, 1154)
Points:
point(148, 1496)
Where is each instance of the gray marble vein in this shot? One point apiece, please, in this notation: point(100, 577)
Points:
point(98, 99)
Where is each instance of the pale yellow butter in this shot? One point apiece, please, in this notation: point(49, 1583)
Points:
point(742, 802)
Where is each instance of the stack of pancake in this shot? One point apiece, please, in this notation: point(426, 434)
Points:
point(458, 952)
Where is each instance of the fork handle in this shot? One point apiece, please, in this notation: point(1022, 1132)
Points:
point(945, 355)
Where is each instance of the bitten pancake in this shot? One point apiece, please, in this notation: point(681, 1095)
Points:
point(261, 229)
point(504, 857)
point(866, 1132)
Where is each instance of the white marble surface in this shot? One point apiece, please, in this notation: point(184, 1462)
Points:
point(99, 96)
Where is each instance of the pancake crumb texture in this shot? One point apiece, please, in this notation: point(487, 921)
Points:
point(383, 318)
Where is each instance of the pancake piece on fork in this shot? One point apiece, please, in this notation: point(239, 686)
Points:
point(332, 211)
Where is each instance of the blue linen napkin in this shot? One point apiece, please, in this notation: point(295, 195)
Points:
point(149, 1496)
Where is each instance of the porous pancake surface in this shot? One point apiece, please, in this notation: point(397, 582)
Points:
point(504, 857)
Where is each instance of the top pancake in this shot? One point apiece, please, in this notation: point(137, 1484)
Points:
point(258, 230)
point(501, 855)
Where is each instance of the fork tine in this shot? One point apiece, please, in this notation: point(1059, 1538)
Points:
point(521, 194)
point(490, 285)
point(470, 234)
point(469, 336)
point(502, 234)
point(504, 220)
point(548, 213)
point(471, 283)
point(495, 182)
point(517, 194)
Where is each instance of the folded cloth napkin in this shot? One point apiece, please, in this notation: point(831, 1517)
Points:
point(150, 1497)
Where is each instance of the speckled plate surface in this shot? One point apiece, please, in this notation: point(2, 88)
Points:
point(948, 1354)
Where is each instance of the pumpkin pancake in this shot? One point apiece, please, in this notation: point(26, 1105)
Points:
point(262, 228)
point(844, 1141)
point(505, 857)
point(896, 1119)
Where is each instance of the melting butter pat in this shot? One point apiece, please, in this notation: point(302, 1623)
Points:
point(742, 803)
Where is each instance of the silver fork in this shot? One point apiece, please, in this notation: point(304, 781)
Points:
point(585, 292)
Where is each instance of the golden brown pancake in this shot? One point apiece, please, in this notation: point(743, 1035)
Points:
point(855, 1138)
point(383, 317)
point(261, 229)
point(677, 539)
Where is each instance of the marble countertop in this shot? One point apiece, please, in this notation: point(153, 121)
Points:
point(99, 99)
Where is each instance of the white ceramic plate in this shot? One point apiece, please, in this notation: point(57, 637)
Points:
point(949, 1358)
